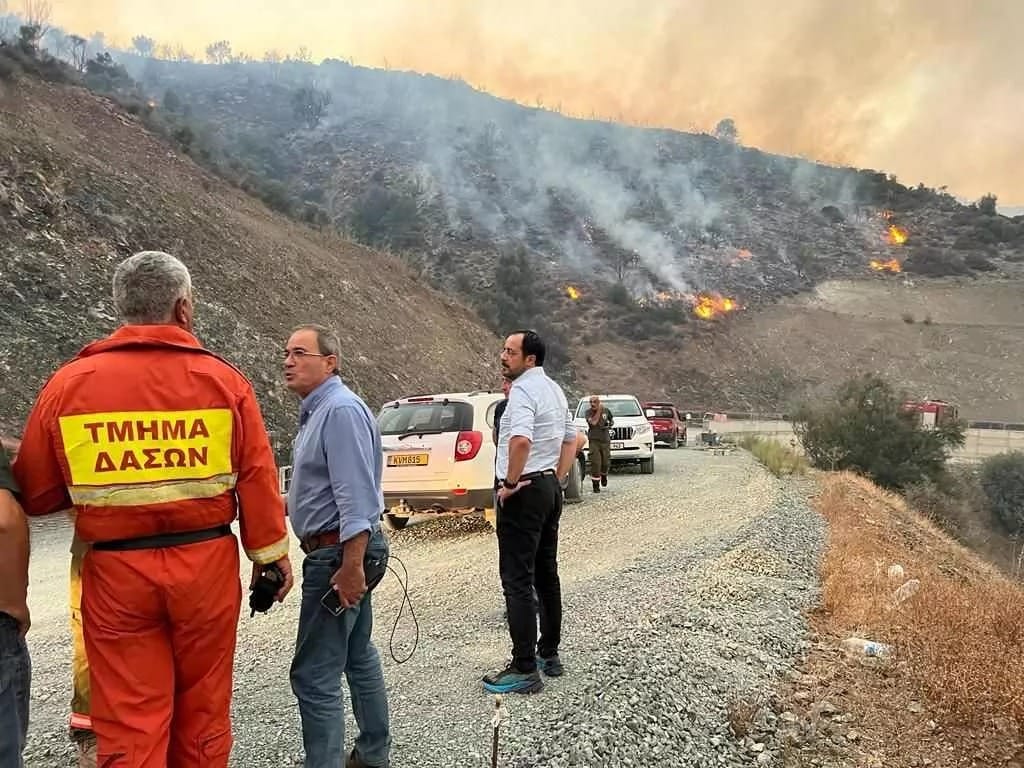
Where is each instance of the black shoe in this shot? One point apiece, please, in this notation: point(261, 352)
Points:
point(511, 680)
point(355, 761)
point(604, 479)
point(597, 486)
point(550, 665)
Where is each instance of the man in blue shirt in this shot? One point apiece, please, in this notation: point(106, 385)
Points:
point(335, 503)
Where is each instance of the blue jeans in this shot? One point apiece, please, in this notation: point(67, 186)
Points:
point(15, 681)
point(328, 646)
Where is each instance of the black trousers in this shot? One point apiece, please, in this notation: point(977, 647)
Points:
point(527, 559)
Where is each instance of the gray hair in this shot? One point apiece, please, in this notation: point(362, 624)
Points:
point(148, 285)
point(327, 341)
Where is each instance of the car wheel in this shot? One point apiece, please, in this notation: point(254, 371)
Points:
point(647, 466)
point(574, 484)
point(397, 522)
point(674, 443)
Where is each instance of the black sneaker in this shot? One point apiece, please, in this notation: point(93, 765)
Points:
point(550, 665)
point(604, 479)
point(511, 680)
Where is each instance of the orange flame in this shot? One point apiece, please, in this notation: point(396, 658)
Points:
point(897, 236)
point(707, 306)
point(886, 266)
point(572, 292)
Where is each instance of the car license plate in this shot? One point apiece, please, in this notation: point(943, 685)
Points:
point(616, 446)
point(408, 460)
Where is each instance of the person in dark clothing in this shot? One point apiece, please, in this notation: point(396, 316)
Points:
point(599, 425)
point(499, 409)
point(15, 664)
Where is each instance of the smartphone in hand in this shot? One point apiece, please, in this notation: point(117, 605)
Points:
point(373, 571)
point(332, 602)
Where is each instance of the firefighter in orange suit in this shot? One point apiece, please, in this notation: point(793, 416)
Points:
point(159, 445)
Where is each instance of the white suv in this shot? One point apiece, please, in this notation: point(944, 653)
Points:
point(631, 434)
point(439, 454)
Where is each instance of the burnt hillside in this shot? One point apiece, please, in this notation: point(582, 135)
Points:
point(83, 184)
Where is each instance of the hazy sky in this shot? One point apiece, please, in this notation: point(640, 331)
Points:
point(931, 90)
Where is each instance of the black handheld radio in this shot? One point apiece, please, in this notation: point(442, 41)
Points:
point(262, 593)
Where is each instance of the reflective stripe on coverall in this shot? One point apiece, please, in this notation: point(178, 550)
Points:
point(147, 433)
point(80, 719)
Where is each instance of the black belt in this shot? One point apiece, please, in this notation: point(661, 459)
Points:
point(534, 475)
point(161, 540)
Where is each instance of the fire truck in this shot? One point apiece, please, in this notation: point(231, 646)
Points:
point(932, 413)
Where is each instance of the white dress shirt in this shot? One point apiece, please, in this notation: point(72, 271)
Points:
point(537, 409)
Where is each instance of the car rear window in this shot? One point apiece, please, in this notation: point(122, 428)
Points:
point(662, 413)
point(430, 417)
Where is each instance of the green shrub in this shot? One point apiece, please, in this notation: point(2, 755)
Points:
point(956, 502)
point(978, 262)
point(619, 294)
point(8, 67)
point(866, 430)
point(935, 263)
point(778, 458)
point(1002, 479)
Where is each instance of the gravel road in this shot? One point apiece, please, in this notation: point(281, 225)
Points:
point(683, 593)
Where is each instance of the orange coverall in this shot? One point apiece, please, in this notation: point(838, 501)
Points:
point(146, 433)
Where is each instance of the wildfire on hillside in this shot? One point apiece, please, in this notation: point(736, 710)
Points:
point(708, 306)
point(886, 266)
point(897, 236)
point(572, 292)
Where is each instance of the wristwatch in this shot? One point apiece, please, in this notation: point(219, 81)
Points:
point(509, 484)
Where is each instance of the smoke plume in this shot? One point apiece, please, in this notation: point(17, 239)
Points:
point(931, 90)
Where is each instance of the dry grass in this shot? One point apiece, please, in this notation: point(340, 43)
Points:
point(779, 459)
point(742, 712)
point(960, 637)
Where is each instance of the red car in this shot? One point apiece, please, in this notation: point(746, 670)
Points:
point(668, 424)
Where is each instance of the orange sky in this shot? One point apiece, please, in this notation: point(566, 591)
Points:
point(931, 90)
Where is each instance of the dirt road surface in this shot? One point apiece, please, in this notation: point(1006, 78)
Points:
point(683, 592)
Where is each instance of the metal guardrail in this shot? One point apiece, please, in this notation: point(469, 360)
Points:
point(1010, 426)
point(978, 445)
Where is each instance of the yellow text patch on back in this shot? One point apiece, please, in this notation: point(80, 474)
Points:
point(147, 446)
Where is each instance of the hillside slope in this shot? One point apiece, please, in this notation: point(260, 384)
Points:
point(955, 339)
point(605, 236)
point(83, 184)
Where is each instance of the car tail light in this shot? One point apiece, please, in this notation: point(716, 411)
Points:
point(467, 446)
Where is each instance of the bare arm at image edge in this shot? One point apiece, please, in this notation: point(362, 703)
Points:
point(14, 549)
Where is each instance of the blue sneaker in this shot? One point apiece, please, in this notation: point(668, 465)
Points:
point(550, 665)
point(511, 680)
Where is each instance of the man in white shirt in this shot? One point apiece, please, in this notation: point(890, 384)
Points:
point(536, 448)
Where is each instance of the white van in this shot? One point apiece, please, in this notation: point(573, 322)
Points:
point(632, 434)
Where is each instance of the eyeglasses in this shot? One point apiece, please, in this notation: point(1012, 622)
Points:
point(300, 353)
